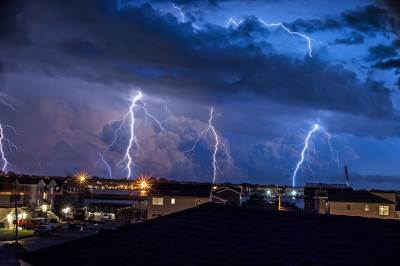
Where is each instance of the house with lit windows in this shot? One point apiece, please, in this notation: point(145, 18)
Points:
point(351, 202)
point(167, 198)
point(32, 192)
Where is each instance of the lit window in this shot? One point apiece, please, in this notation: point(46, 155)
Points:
point(172, 201)
point(366, 208)
point(384, 210)
point(158, 201)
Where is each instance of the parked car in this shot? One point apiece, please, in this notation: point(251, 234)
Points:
point(43, 230)
point(28, 224)
point(54, 224)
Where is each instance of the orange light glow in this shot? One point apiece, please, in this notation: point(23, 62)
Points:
point(82, 177)
point(143, 182)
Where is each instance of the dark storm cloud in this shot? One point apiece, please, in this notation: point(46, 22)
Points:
point(210, 3)
point(12, 25)
point(369, 20)
point(381, 52)
point(394, 7)
point(158, 52)
point(385, 55)
point(353, 38)
point(388, 64)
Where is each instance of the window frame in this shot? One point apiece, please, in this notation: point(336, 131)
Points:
point(384, 210)
point(158, 201)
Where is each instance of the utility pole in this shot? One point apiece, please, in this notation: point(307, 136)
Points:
point(16, 210)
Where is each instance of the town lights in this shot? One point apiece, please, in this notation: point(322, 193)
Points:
point(66, 210)
point(143, 183)
point(82, 177)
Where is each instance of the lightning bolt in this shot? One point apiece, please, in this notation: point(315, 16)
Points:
point(116, 134)
point(151, 116)
point(108, 166)
point(4, 140)
point(300, 162)
point(132, 138)
point(306, 147)
point(179, 11)
point(231, 21)
point(215, 147)
point(183, 17)
point(2, 154)
point(3, 102)
point(334, 153)
point(127, 159)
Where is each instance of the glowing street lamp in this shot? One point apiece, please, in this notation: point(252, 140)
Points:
point(66, 210)
point(143, 183)
point(82, 177)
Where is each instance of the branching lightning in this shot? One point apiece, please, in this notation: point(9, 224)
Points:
point(231, 21)
point(4, 140)
point(133, 141)
point(300, 162)
point(215, 147)
point(148, 114)
point(179, 11)
point(183, 17)
point(305, 151)
point(334, 153)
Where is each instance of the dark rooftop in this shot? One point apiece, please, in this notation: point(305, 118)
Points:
point(356, 196)
point(217, 235)
point(182, 189)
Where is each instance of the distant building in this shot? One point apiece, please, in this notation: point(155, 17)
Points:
point(293, 192)
point(32, 192)
point(339, 200)
point(166, 198)
point(115, 202)
point(227, 195)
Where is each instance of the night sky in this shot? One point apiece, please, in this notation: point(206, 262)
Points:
point(69, 70)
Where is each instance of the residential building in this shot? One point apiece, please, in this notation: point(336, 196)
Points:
point(32, 192)
point(340, 200)
point(361, 203)
point(227, 195)
point(166, 198)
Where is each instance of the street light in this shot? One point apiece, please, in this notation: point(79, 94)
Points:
point(82, 177)
point(143, 183)
point(66, 210)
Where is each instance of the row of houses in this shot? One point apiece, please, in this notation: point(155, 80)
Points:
point(64, 196)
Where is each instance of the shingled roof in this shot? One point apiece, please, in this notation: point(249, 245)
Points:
point(182, 189)
point(356, 196)
point(218, 235)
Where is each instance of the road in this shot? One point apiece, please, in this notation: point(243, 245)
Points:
point(62, 235)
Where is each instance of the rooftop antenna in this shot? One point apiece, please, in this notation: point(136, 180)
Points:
point(346, 174)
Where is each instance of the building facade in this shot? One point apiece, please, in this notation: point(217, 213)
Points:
point(339, 200)
point(167, 198)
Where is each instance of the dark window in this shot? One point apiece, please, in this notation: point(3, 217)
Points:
point(348, 207)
